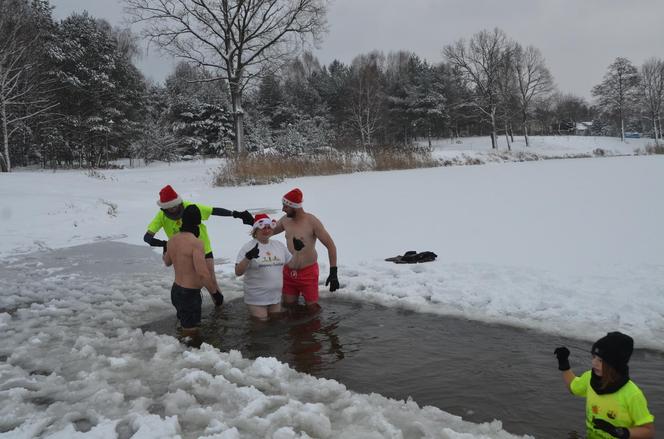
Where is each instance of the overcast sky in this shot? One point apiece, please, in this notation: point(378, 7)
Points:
point(578, 38)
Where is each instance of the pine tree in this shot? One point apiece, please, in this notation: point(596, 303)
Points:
point(198, 113)
point(101, 92)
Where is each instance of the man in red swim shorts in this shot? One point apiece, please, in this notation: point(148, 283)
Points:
point(301, 273)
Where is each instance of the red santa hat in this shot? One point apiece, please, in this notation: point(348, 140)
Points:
point(261, 220)
point(168, 197)
point(293, 199)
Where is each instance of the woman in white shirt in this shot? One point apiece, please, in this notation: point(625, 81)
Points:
point(261, 261)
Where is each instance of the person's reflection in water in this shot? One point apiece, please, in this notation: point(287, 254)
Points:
point(305, 346)
point(307, 340)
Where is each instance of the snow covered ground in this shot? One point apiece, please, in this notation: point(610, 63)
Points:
point(467, 149)
point(570, 247)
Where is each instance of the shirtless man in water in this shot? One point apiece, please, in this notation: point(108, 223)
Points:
point(186, 253)
point(301, 273)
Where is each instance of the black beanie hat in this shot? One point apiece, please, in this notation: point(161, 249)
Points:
point(615, 349)
point(191, 219)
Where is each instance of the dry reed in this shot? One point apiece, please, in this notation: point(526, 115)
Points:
point(265, 168)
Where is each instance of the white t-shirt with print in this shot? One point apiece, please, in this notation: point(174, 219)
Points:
point(263, 278)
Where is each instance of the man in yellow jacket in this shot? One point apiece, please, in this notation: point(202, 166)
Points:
point(169, 218)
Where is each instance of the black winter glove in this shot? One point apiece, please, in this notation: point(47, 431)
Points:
point(252, 254)
point(332, 279)
point(619, 432)
point(562, 353)
point(154, 242)
point(218, 299)
point(297, 244)
point(245, 216)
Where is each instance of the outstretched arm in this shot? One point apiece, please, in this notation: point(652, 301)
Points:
point(220, 211)
point(245, 216)
point(154, 242)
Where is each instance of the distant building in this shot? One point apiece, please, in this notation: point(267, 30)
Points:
point(583, 128)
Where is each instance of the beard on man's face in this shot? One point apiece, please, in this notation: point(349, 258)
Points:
point(289, 211)
point(174, 214)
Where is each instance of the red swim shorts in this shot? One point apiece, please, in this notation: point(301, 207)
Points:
point(303, 280)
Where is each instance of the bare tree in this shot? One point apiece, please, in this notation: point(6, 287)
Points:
point(238, 38)
point(507, 89)
point(366, 95)
point(21, 91)
point(479, 63)
point(617, 90)
point(533, 80)
point(652, 92)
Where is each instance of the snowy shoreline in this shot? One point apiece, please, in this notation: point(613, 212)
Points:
point(569, 247)
point(74, 366)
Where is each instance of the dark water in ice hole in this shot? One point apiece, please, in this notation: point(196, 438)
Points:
point(478, 371)
point(475, 370)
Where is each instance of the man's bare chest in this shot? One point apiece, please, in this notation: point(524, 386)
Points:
point(299, 230)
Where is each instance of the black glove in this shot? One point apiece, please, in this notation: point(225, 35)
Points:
point(619, 432)
point(252, 254)
point(246, 217)
point(332, 279)
point(154, 242)
point(297, 244)
point(562, 353)
point(218, 298)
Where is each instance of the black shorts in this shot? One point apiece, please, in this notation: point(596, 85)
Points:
point(209, 256)
point(187, 303)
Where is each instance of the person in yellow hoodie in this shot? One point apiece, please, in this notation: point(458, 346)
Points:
point(169, 218)
point(615, 405)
